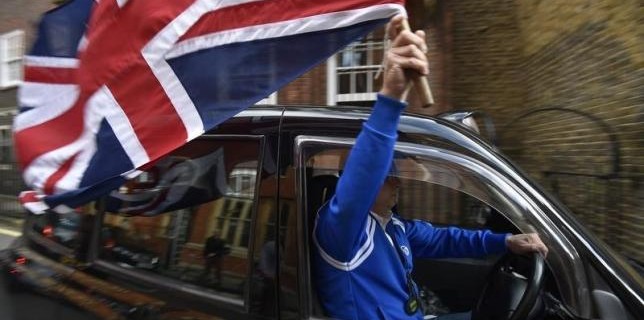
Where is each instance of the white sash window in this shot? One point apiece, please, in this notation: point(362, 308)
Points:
point(11, 52)
point(351, 72)
point(271, 99)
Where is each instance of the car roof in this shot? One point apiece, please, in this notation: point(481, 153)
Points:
point(347, 120)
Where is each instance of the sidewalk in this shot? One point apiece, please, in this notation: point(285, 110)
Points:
point(10, 206)
point(10, 225)
point(11, 216)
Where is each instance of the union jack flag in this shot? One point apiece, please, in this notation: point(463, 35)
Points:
point(112, 85)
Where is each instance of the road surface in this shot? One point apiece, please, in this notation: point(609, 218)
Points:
point(7, 235)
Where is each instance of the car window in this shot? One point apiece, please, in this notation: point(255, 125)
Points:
point(288, 243)
point(188, 217)
point(419, 197)
point(446, 187)
point(64, 233)
point(60, 228)
point(429, 191)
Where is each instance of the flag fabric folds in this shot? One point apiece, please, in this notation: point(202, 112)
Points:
point(112, 85)
point(181, 182)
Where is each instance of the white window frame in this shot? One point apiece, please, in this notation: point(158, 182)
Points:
point(11, 52)
point(6, 143)
point(334, 70)
point(271, 99)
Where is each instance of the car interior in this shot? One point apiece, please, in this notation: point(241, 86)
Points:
point(447, 285)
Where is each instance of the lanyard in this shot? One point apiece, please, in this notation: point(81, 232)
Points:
point(411, 305)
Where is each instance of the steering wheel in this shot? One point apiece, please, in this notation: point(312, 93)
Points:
point(512, 289)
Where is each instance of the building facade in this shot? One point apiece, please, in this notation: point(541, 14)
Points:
point(18, 21)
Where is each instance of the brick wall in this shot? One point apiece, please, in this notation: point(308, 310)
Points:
point(309, 89)
point(485, 59)
point(587, 57)
point(563, 81)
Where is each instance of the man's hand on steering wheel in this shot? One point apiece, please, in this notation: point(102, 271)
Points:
point(513, 287)
point(526, 243)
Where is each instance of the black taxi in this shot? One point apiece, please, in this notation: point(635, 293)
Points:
point(255, 183)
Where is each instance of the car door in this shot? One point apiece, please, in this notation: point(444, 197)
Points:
point(438, 185)
point(193, 236)
point(451, 178)
point(156, 231)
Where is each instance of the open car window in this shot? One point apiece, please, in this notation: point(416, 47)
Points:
point(446, 190)
point(446, 187)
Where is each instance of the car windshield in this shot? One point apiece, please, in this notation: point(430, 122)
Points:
point(471, 177)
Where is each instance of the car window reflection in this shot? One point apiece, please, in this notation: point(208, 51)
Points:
point(188, 217)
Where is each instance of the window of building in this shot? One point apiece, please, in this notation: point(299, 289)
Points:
point(6, 152)
point(11, 51)
point(189, 216)
point(351, 74)
point(270, 100)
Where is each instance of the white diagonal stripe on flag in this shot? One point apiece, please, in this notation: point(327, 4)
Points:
point(50, 62)
point(285, 28)
point(103, 101)
point(94, 114)
point(48, 163)
point(155, 55)
point(49, 101)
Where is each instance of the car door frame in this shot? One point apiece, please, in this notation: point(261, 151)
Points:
point(185, 291)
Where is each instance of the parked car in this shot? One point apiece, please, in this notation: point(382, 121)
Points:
point(256, 181)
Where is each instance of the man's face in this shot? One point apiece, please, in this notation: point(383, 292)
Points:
point(388, 195)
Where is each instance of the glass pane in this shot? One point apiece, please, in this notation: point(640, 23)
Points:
point(350, 57)
point(61, 228)
point(361, 82)
point(15, 46)
point(14, 71)
point(188, 218)
point(357, 65)
point(344, 85)
point(263, 297)
point(376, 83)
point(288, 256)
point(377, 54)
point(69, 229)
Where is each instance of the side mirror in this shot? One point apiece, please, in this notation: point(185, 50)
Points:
point(473, 121)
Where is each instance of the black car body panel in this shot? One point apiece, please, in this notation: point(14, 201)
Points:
point(138, 252)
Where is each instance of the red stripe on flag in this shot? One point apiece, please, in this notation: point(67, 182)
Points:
point(50, 75)
point(28, 196)
point(158, 127)
point(102, 12)
point(32, 142)
point(106, 57)
point(59, 174)
point(263, 12)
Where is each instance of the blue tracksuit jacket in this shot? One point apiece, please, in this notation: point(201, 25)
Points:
point(358, 272)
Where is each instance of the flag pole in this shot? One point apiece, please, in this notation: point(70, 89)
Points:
point(422, 85)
